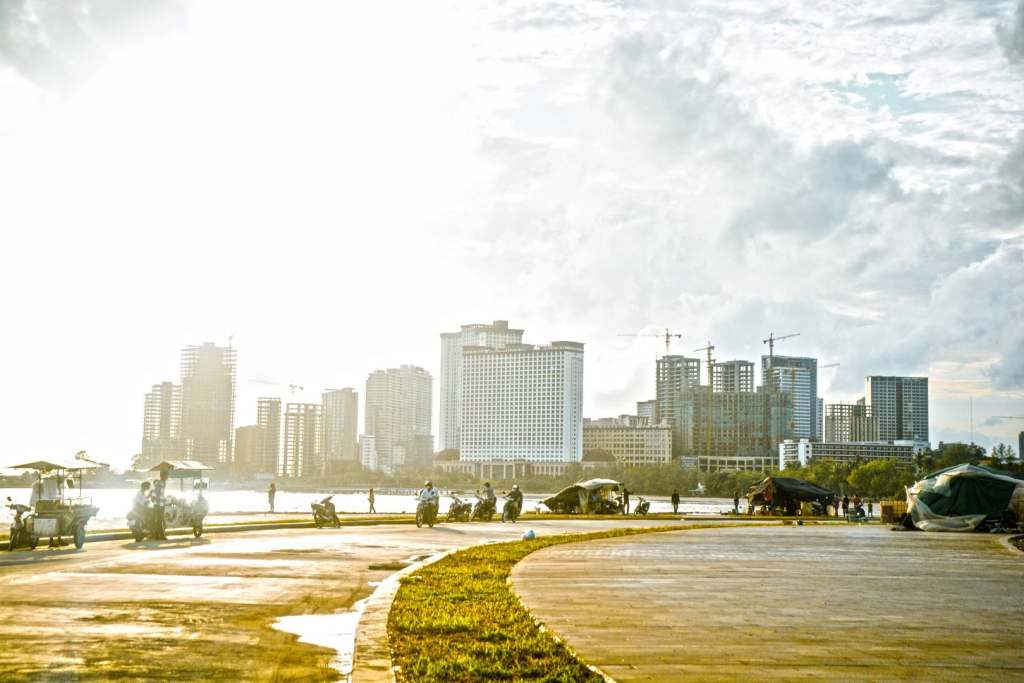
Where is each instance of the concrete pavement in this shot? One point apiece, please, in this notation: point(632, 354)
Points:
point(204, 608)
point(837, 602)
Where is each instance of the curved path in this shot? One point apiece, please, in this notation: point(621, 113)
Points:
point(204, 608)
point(832, 602)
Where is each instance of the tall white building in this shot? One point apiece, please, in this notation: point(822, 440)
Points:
point(301, 454)
point(340, 436)
point(901, 406)
point(800, 384)
point(494, 336)
point(398, 415)
point(523, 403)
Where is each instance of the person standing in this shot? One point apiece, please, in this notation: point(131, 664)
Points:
point(625, 500)
point(372, 498)
point(159, 502)
point(675, 502)
point(871, 509)
point(735, 502)
point(271, 493)
point(846, 505)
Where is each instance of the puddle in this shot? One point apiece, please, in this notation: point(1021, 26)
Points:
point(335, 631)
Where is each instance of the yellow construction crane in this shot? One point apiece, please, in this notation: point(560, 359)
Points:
point(711, 399)
point(668, 336)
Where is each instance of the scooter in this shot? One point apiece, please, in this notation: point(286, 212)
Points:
point(20, 534)
point(510, 511)
point(459, 510)
point(426, 513)
point(642, 507)
point(324, 513)
point(140, 523)
point(483, 510)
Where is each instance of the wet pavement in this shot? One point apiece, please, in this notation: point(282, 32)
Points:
point(205, 608)
point(837, 602)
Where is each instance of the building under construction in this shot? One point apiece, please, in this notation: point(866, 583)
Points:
point(850, 422)
point(208, 401)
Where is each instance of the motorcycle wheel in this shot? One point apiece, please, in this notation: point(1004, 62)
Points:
point(138, 535)
point(12, 541)
point(197, 530)
point(419, 520)
point(79, 536)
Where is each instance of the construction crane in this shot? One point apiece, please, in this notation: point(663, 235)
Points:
point(668, 336)
point(711, 399)
point(1010, 417)
point(292, 387)
point(770, 341)
point(830, 365)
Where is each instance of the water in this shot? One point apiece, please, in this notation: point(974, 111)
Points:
point(114, 504)
point(333, 631)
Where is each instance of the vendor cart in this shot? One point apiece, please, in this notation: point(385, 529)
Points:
point(58, 510)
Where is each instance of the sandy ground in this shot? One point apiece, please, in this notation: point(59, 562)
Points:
point(791, 603)
point(203, 608)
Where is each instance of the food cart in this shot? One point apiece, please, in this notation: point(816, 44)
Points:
point(190, 506)
point(58, 510)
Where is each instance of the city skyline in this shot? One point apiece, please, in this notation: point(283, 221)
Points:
point(850, 173)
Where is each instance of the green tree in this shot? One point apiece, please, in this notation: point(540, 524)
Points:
point(880, 479)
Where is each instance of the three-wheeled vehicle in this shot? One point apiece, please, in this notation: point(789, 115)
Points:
point(189, 508)
point(591, 497)
point(56, 511)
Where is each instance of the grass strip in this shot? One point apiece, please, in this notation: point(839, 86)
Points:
point(458, 619)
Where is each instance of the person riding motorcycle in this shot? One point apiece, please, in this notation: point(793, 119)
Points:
point(140, 502)
point(516, 495)
point(428, 494)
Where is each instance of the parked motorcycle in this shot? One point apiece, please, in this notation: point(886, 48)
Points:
point(483, 510)
point(324, 513)
point(510, 511)
point(643, 506)
point(21, 535)
point(426, 513)
point(459, 510)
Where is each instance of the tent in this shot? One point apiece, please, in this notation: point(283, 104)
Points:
point(959, 498)
point(593, 495)
point(787, 493)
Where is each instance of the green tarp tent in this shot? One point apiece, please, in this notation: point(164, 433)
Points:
point(958, 498)
point(787, 493)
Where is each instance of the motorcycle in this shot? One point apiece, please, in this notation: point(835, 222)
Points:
point(20, 533)
point(142, 524)
point(459, 510)
point(642, 507)
point(483, 510)
point(510, 511)
point(426, 513)
point(324, 513)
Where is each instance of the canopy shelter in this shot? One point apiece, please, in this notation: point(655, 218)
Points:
point(959, 498)
point(787, 493)
point(585, 496)
point(46, 466)
point(181, 469)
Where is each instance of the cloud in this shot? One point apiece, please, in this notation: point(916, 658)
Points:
point(1010, 32)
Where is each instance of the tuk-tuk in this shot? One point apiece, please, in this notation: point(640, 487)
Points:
point(56, 509)
point(189, 508)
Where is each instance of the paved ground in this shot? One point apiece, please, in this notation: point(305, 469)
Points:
point(202, 608)
point(835, 602)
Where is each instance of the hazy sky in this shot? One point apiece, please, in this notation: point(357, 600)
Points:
point(336, 183)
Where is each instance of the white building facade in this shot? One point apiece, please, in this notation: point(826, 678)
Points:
point(632, 441)
point(901, 406)
point(494, 336)
point(398, 414)
point(522, 403)
point(792, 452)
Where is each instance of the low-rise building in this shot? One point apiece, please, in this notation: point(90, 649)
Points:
point(803, 451)
point(631, 440)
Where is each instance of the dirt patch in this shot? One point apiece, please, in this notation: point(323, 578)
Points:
point(390, 566)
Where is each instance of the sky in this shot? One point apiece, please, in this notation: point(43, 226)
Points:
point(332, 185)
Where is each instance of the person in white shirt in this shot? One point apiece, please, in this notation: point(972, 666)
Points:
point(428, 494)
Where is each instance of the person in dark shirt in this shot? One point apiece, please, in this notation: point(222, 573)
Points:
point(625, 500)
point(675, 502)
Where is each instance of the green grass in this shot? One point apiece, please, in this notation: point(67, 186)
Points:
point(458, 619)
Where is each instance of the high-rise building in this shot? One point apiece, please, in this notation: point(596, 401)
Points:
point(901, 406)
point(368, 452)
point(161, 426)
point(302, 425)
point(797, 376)
point(819, 419)
point(208, 401)
point(398, 415)
point(494, 336)
point(523, 403)
point(743, 423)
point(249, 449)
point(648, 410)
point(340, 411)
point(268, 416)
point(850, 422)
point(733, 375)
point(675, 376)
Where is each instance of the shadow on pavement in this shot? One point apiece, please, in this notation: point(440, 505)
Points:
point(24, 557)
point(164, 545)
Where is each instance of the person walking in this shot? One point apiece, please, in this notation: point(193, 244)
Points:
point(372, 498)
point(871, 509)
point(846, 505)
point(271, 494)
point(625, 500)
point(735, 502)
point(675, 502)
